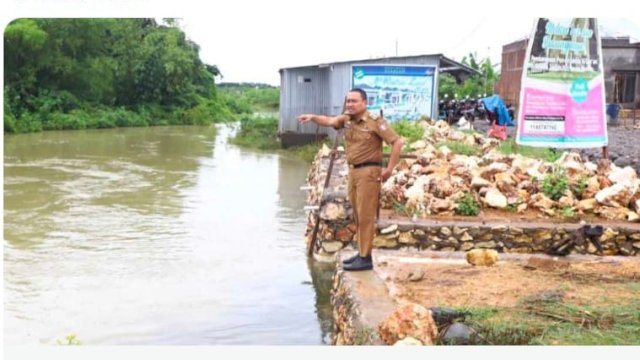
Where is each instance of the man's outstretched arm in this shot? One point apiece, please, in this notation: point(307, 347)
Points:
point(333, 121)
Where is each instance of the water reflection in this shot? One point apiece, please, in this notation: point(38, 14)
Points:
point(157, 236)
point(322, 280)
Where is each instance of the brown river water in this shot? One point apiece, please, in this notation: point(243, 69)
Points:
point(157, 236)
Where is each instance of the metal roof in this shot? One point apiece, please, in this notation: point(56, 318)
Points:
point(446, 64)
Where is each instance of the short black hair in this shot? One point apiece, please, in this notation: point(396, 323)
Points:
point(362, 93)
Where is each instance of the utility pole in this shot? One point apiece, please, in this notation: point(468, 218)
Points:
point(486, 68)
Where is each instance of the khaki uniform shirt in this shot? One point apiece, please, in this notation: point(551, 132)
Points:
point(364, 137)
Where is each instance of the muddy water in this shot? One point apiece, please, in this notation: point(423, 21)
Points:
point(165, 235)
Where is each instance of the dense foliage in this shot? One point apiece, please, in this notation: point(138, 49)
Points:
point(81, 73)
point(474, 87)
point(247, 98)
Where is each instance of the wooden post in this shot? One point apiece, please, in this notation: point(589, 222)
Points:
point(515, 143)
point(332, 157)
point(605, 152)
point(313, 242)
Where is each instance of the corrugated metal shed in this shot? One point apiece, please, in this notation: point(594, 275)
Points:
point(320, 89)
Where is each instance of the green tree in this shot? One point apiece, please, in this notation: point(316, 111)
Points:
point(63, 73)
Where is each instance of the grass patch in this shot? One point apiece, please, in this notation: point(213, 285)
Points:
point(258, 133)
point(307, 152)
point(634, 286)
point(461, 148)
point(70, 339)
point(509, 147)
point(468, 132)
point(556, 323)
point(402, 209)
point(410, 130)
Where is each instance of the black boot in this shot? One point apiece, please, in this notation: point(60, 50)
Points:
point(351, 259)
point(360, 263)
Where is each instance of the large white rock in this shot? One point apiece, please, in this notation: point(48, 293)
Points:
point(420, 144)
point(389, 229)
point(332, 246)
point(495, 198)
point(542, 202)
point(408, 341)
point(504, 178)
point(498, 167)
point(325, 150)
point(445, 151)
point(478, 182)
point(624, 175)
point(617, 195)
point(416, 168)
point(587, 204)
point(437, 205)
point(409, 320)
point(591, 167)
point(466, 161)
point(333, 211)
point(415, 194)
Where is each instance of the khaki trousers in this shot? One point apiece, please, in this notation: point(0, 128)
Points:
point(364, 192)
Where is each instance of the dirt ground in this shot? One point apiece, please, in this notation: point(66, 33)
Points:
point(445, 279)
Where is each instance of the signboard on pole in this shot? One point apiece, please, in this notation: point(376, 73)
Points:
point(402, 92)
point(562, 95)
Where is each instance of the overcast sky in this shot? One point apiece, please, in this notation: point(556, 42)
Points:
point(326, 35)
point(249, 40)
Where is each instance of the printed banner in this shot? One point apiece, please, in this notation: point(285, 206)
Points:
point(402, 92)
point(562, 101)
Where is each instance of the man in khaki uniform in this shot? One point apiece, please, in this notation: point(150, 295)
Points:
point(364, 133)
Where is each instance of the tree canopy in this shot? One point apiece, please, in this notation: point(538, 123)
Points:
point(57, 67)
point(474, 87)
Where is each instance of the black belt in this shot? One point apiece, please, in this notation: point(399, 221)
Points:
point(366, 163)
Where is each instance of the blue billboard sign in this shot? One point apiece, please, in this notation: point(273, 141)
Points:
point(401, 92)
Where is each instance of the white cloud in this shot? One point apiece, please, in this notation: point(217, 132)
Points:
point(250, 40)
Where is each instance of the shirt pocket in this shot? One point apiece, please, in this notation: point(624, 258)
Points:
point(359, 134)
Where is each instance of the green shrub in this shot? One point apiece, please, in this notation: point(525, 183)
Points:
point(257, 132)
point(468, 206)
point(410, 130)
point(9, 118)
point(578, 188)
point(55, 101)
point(554, 185)
point(198, 115)
point(568, 212)
point(28, 122)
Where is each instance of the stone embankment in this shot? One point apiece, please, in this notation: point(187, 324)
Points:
point(522, 204)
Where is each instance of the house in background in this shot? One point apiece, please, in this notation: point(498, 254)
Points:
point(621, 61)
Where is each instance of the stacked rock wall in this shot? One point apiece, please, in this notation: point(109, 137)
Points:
point(432, 185)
